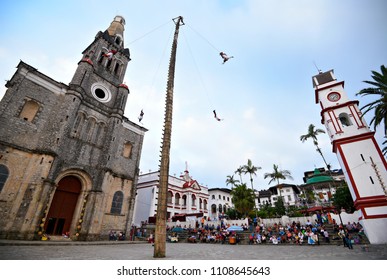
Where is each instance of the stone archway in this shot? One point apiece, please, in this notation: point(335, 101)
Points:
point(63, 205)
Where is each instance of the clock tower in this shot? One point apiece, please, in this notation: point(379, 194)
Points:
point(358, 153)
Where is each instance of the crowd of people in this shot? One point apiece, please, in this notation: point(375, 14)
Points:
point(311, 233)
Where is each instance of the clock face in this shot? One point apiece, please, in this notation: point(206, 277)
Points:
point(334, 96)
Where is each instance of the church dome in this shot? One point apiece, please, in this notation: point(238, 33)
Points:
point(318, 177)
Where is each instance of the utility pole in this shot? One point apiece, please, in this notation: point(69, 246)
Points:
point(161, 215)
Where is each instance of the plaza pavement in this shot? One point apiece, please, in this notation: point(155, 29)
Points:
point(128, 250)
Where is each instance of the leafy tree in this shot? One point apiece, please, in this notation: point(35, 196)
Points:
point(239, 171)
point(379, 106)
point(231, 181)
point(312, 134)
point(280, 207)
point(232, 214)
point(379, 90)
point(343, 199)
point(250, 169)
point(277, 174)
point(243, 199)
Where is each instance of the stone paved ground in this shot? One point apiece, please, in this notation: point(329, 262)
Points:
point(50, 250)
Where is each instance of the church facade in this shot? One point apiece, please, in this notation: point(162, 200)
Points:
point(69, 158)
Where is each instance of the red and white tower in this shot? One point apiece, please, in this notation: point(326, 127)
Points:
point(358, 153)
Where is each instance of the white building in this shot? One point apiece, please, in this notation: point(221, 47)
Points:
point(186, 198)
point(288, 192)
point(219, 202)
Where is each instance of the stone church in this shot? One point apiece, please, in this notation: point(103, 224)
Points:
point(69, 158)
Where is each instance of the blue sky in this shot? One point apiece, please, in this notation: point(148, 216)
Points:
point(264, 94)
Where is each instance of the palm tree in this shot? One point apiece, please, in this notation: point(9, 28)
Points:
point(242, 198)
point(239, 171)
point(379, 90)
point(231, 181)
point(312, 133)
point(277, 174)
point(251, 169)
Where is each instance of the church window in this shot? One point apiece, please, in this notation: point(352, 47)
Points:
point(78, 124)
point(3, 176)
point(108, 63)
point(101, 92)
point(101, 57)
point(89, 129)
point(169, 197)
point(117, 202)
point(127, 150)
point(344, 119)
point(177, 199)
point(29, 111)
point(116, 68)
point(193, 200)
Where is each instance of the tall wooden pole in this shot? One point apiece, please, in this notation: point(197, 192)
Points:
point(161, 215)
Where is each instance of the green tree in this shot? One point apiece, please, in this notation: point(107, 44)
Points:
point(379, 90)
point(231, 181)
point(232, 214)
point(343, 199)
point(378, 106)
point(243, 199)
point(280, 207)
point(239, 171)
point(250, 169)
point(277, 174)
point(312, 134)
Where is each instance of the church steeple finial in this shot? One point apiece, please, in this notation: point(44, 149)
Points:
point(116, 30)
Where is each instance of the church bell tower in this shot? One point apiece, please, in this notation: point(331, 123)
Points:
point(358, 153)
point(102, 69)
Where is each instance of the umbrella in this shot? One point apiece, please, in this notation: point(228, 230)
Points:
point(177, 229)
point(235, 228)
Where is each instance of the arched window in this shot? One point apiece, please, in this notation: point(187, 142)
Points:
point(3, 176)
point(177, 199)
point(193, 200)
point(213, 196)
point(169, 197)
point(200, 203)
point(205, 204)
point(118, 198)
point(116, 68)
point(29, 111)
point(184, 200)
point(213, 208)
point(220, 208)
point(224, 208)
point(344, 119)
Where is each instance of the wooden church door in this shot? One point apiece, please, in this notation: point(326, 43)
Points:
point(63, 205)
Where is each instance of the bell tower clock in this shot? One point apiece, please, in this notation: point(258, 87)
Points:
point(358, 153)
